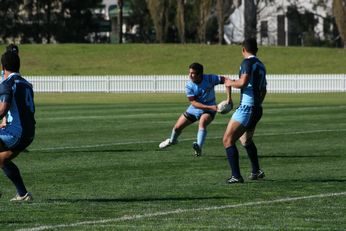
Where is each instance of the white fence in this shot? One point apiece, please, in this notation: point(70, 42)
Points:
point(176, 83)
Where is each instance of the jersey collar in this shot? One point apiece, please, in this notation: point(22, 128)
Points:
point(13, 74)
point(251, 56)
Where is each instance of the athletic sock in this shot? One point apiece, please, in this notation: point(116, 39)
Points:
point(252, 154)
point(201, 135)
point(174, 136)
point(233, 160)
point(12, 172)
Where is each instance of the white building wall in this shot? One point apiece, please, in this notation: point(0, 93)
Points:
point(234, 31)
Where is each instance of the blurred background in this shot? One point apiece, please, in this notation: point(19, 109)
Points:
point(272, 22)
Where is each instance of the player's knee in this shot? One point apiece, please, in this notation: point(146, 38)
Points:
point(7, 156)
point(2, 161)
point(245, 142)
point(227, 141)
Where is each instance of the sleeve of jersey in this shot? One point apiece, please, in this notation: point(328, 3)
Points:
point(221, 79)
point(245, 67)
point(189, 93)
point(5, 93)
point(216, 79)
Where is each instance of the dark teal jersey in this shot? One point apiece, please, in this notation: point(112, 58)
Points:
point(250, 94)
point(18, 93)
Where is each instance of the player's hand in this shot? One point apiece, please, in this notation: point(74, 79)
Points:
point(228, 82)
point(213, 107)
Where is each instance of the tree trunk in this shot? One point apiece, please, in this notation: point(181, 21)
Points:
point(204, 11)
point(250, 17)
point(156, 11)
point(220, 19)
point(180, 20)
point(339, 12)
point(166, 7)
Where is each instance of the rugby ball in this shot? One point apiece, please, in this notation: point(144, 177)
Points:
point(224, 107)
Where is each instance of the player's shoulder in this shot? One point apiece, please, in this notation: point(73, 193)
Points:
point(189, 83)
point(5, 87)
point(247, 61)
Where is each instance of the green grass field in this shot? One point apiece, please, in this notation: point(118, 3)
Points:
point(95, 165)
point(161, 59)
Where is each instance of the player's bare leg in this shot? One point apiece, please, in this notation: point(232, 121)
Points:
point(179, 126)
point(204, 121)
point(12, 172)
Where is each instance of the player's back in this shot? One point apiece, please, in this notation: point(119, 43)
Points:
point(250, 95)
point(22, 108)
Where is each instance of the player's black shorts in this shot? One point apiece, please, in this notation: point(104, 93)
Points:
point(194, 118)
point(23, 144)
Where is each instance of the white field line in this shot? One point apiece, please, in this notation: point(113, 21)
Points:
point(190, 139)
point(179, 211)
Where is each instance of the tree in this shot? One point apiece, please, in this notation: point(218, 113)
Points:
point(10, 19)
point(339, 12)
point(223, 8)
point(76, 20)
point(40, 20)
point(220, 19)
point(140, 19)
point(250, 18)
point(180, 20)
point(204, 13)
point(159, 13)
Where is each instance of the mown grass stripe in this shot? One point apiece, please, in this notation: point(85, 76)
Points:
point(190, 139)
point(178, 211)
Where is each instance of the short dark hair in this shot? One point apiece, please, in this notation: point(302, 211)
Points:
point(197, 67)
point(250, 45)
point(13, 48)
point(10, 61)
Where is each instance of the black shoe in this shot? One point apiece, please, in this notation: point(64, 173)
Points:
point(258, 175)
point(235, 180)
point(198, 150)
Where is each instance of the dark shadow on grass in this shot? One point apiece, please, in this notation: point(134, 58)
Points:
point(298, 156)
point(129, 200)
point(301, 180)
point(94, 150)
point(272, 156)
point(110, 150)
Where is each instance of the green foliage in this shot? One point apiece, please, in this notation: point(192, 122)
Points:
point(95, 159)
point(9, 14)
point(139, 15)
point(38, 21)
point(161, 59)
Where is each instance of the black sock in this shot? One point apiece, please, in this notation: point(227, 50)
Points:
point(252, 154)
point(233, 160)
point(12, 172)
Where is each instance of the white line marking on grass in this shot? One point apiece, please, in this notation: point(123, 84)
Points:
point(191, 139)
point(178, 211)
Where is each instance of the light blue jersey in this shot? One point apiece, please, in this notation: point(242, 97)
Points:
point(203, 92)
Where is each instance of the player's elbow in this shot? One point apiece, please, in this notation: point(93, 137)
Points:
point(3, 110)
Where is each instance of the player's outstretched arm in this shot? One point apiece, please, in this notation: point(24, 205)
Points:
point(238, 83)
point(203, 106)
